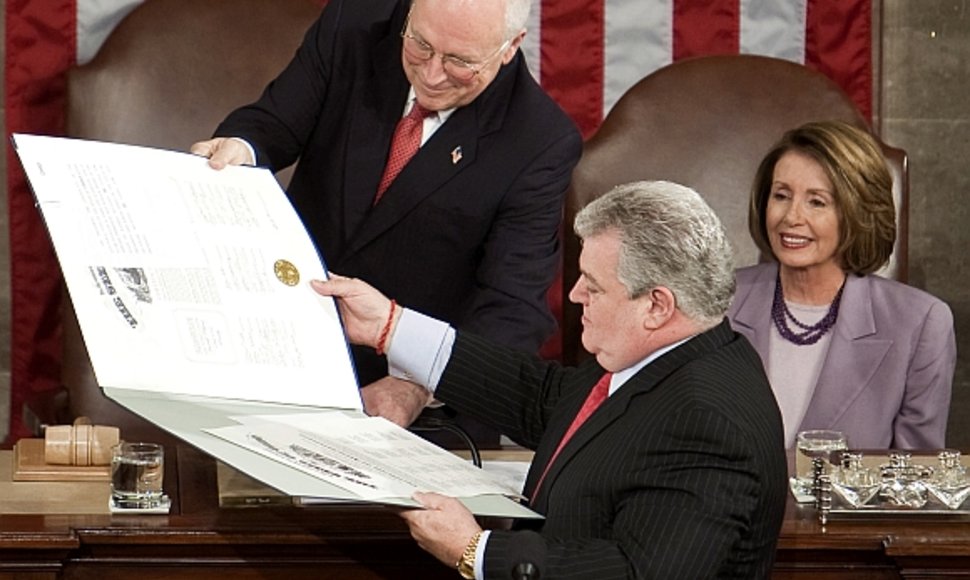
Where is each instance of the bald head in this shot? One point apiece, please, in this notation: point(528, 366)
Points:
point(512, 14)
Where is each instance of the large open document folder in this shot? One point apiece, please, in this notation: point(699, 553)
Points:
point(191, 288)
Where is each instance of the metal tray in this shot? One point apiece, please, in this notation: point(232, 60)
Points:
point(830, 503)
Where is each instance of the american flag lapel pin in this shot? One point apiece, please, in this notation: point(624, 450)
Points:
point(456, 155)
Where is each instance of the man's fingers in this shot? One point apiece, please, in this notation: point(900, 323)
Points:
point(335, 286)
point(429, 500)
point(222, 152)
point(202, 148)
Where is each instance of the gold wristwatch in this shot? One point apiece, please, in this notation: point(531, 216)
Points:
point(466, 564)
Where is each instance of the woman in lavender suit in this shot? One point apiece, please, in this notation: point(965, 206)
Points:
point(844, 349)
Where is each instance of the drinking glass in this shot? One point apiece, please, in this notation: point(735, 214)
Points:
point(808, 446)
point(136, 475)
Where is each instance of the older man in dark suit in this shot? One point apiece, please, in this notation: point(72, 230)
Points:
point(661, 458)
point(467, 230)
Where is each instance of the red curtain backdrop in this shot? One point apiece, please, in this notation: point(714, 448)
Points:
point(585, 53)
point(40, 47)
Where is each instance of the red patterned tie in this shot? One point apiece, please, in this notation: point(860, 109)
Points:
point(595, 398)
point(407, 139)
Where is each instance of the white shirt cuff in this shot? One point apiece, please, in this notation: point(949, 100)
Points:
point(480, 555)
point(420, 349)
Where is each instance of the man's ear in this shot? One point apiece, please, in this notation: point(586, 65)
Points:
point(659, 306)
point(513, 46)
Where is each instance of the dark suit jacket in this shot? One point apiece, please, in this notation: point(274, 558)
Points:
point(681, 473)
point(887, 376)
point(470, 240)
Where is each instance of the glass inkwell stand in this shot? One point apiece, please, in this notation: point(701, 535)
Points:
point(904, 482)
point(949, 483)
point(897, 486)
point(855, 483)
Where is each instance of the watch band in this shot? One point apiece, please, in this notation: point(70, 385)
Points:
point(466, 564)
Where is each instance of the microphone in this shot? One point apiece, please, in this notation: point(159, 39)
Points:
point(525, 571)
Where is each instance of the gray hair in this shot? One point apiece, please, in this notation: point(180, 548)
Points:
point(516, 16)
point(669, 237)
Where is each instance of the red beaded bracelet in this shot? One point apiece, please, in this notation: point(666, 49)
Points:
point(382, 339)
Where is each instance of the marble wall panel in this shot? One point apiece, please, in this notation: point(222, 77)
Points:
point(926, 110)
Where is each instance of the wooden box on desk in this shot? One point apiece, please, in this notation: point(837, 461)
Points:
point(29, 465)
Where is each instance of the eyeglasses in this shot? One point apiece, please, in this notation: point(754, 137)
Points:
point(417, 50)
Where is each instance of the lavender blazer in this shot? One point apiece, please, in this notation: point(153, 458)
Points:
point(886, 379)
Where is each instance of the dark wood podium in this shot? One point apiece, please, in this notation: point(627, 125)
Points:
point(199, 540)
point(880, 547)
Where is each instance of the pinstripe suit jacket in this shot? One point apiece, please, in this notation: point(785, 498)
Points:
point(681, 473)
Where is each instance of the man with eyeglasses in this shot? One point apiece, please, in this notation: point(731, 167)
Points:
point(467, 230)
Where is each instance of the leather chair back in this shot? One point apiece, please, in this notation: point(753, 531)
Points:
point(707, 122)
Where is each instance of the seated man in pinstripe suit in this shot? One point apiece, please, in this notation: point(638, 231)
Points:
point(679, 473)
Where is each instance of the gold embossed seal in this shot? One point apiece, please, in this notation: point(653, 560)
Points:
point(286, 272)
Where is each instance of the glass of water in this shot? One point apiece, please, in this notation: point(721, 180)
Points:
point(808, 446)
point(136, 475)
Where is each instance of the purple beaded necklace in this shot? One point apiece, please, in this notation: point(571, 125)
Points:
point(809, 334)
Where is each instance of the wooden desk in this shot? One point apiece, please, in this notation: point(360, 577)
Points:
point(873, 547)
point(200, 541)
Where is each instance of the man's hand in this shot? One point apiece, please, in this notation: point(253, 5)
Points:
point(223, 151)
point(397, 400)
point(444, 528)
point(363, 309)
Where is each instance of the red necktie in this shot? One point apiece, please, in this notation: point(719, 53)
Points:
point(404, 144)
point(595, 398)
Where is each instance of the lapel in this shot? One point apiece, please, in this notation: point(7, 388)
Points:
point(565, 410)
point(435, 163)
point(853, 358)
point(372, 123)
point(645, 381)
point(753, 315)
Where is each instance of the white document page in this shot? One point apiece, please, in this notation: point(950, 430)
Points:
point(370, 457)
point(511, 474)
point(194, 418)
point(191, 287)
point(186, 279)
